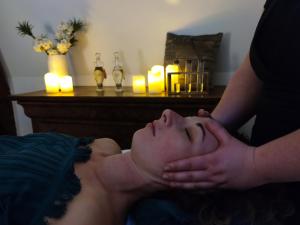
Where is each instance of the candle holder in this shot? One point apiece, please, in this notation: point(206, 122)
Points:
point(171, 68)
point(192, 77)
point(200, 86)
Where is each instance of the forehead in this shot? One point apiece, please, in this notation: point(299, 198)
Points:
point(193, 119)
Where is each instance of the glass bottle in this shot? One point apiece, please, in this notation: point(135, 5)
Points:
point(99, 72)
point(188, 76)
point(204, 81)
point(176, 84)
point(118, 73)
point(199, 75)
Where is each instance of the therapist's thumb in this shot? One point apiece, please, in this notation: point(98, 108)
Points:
point(218, 131)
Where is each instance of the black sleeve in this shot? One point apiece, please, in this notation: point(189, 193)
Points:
point(267, 3)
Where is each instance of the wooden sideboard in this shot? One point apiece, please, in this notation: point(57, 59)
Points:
point(86, 112)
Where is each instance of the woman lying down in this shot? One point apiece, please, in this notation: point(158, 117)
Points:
point(55, 179)
point(51, 178)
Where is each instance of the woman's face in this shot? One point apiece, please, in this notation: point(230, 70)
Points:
point(170, 138)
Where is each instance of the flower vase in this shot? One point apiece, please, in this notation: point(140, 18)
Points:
point(57, 64)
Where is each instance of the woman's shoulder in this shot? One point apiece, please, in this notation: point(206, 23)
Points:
point(105, 146)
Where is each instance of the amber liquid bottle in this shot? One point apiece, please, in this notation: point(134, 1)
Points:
point(99, 72)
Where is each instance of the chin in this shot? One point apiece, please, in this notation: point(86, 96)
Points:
point(138, 138)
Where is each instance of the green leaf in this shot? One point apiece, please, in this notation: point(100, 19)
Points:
point(77, 25)
point(73, 41)
point(25, 28)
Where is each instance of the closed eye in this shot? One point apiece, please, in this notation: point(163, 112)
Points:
point(203, 130)
point(188, 134)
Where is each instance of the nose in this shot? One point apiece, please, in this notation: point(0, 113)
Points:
point(168, 117)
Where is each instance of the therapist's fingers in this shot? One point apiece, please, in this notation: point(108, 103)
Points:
point(203, 113)
point(193, 163)
point(187, 176)
point(218, 131)
point(192, 185)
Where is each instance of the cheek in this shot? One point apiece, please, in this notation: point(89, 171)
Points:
point(172, 147)
point(148, 152)
point(210, 143)
point(161, 149)
point(145, 145)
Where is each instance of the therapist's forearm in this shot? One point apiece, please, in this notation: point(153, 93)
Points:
point(238, 102)
point(279, 160)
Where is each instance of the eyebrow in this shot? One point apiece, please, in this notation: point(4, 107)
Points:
point(203, 130)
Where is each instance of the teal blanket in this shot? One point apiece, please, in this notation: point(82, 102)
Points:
point(37, 177)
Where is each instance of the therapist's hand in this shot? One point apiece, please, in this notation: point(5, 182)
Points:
point(203, 113)
point(231, 165)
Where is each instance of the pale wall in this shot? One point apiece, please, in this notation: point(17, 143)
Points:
point(136, 28)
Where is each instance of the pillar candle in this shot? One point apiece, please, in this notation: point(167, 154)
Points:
point(138, 84)
point(66, 83)
point(154, 83)
point(158, 72)
point(174, 78)
point(51, 83)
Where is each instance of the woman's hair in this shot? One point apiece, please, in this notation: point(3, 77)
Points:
point(266, 205)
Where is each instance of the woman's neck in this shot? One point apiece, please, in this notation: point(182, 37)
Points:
point(124, 182)
point(119, 173)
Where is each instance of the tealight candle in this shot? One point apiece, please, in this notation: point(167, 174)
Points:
point(177, 87)
point(138, 84)
point(66, 84)
point(51, 83)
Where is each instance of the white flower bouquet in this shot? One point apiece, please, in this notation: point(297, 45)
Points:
point(65, 37)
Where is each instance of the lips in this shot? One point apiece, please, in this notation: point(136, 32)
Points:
point(153, 128)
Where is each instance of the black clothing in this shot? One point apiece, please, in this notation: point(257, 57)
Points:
point(275, 58)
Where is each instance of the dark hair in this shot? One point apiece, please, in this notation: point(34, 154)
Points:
point(266, 205)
